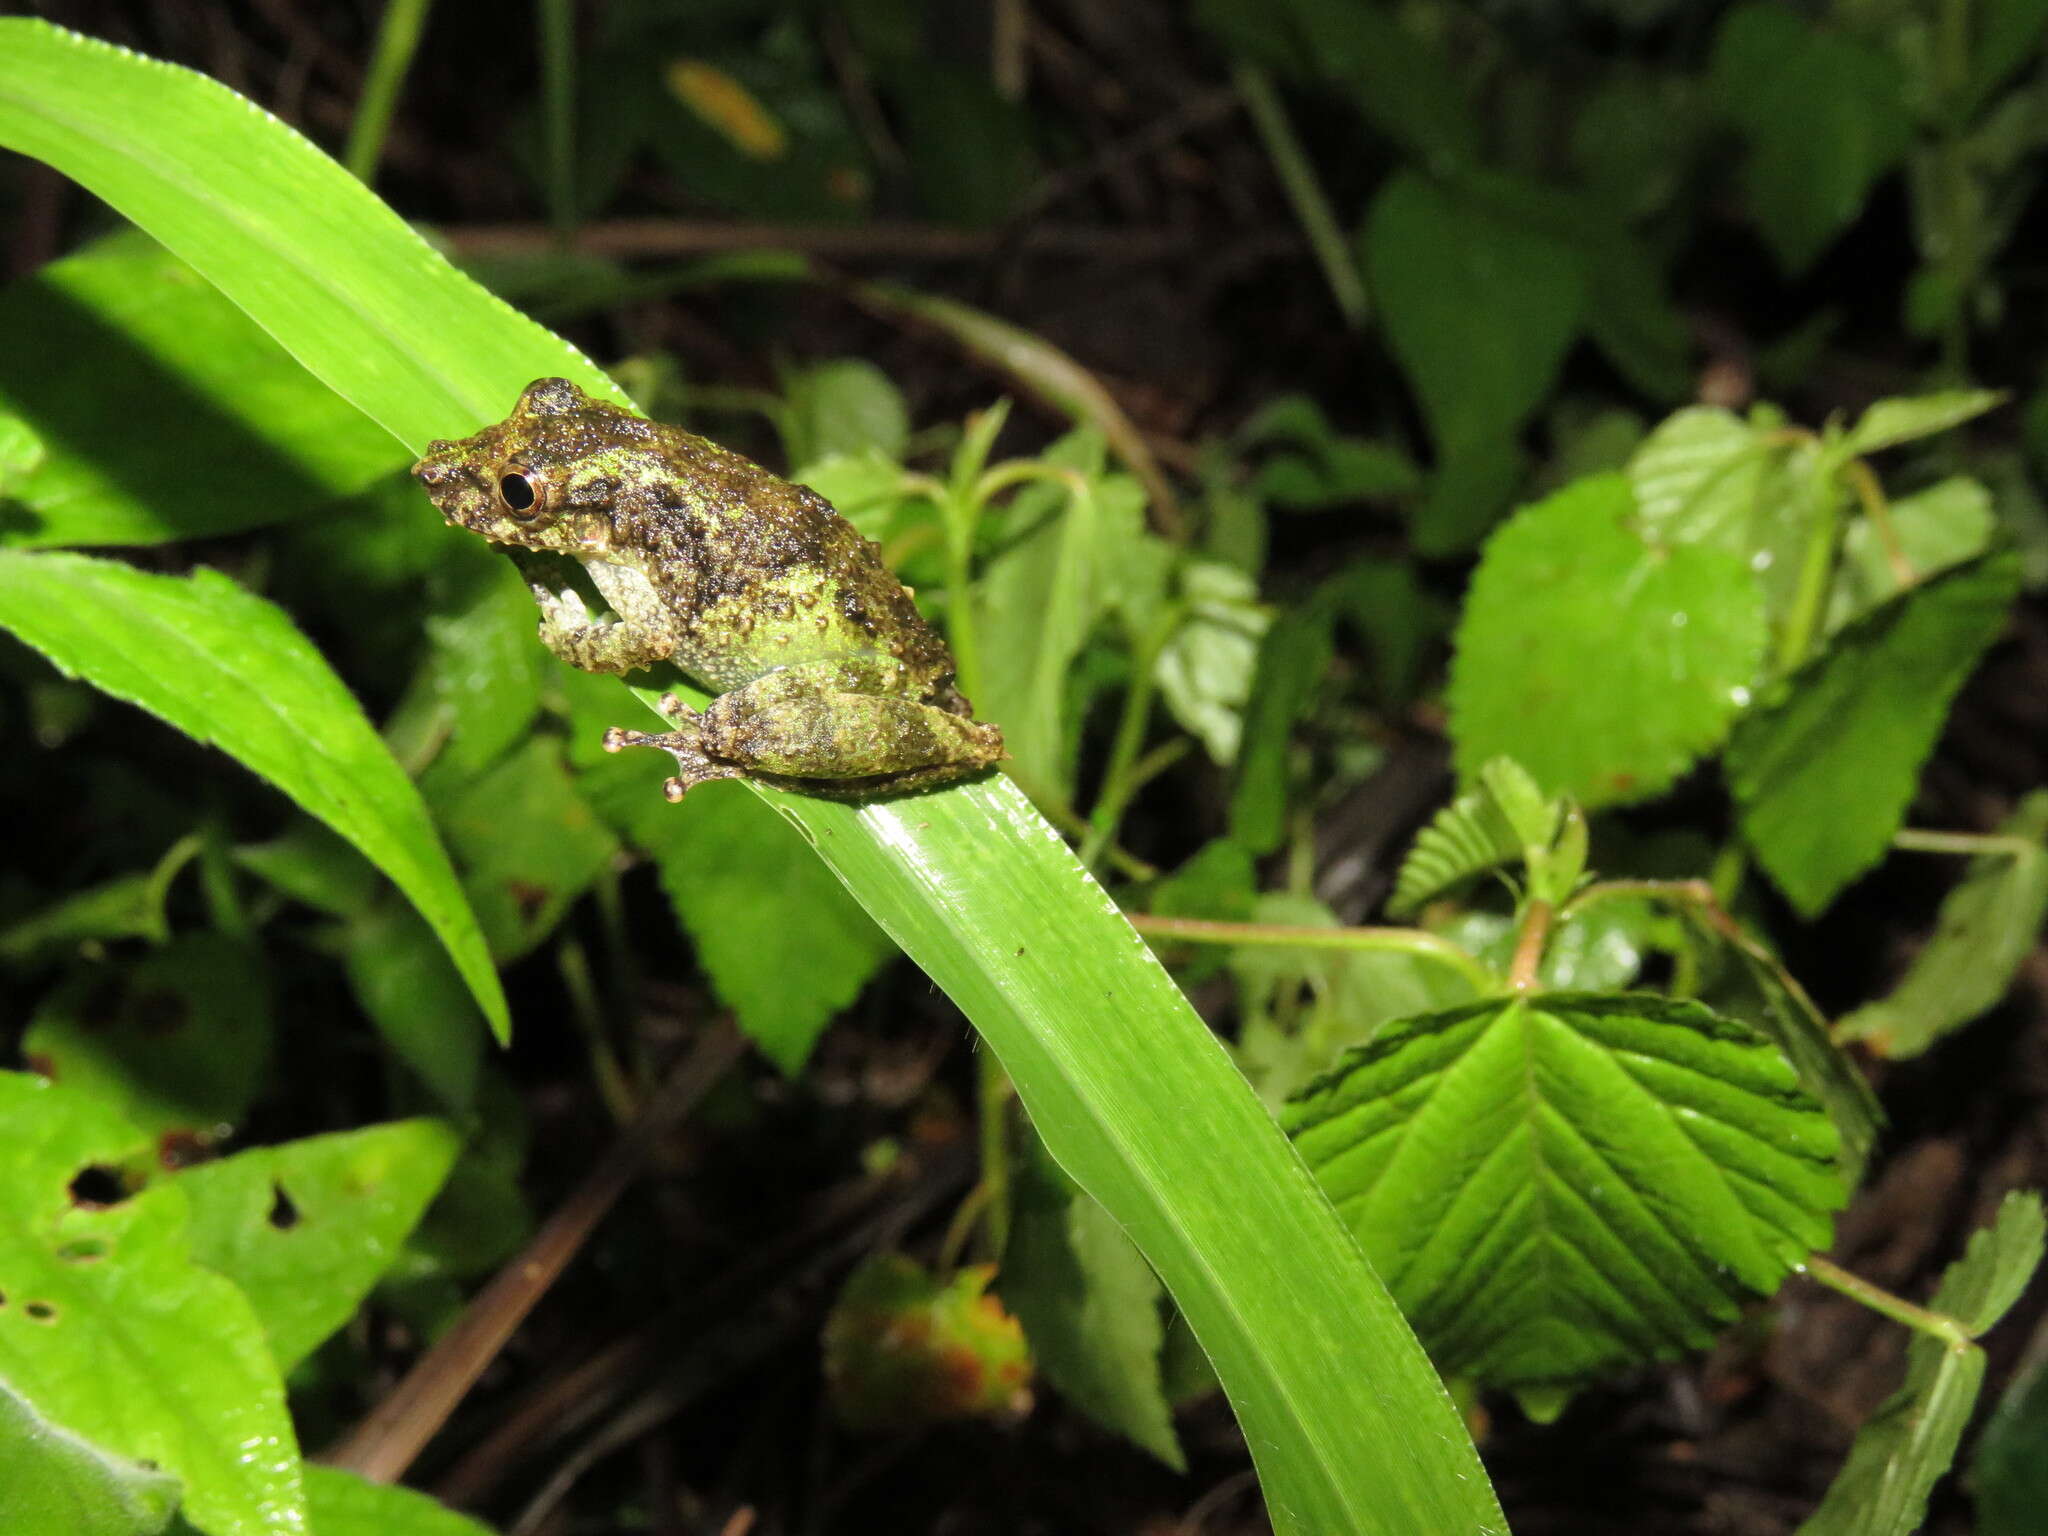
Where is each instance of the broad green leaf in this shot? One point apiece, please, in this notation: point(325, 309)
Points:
point(229, 669)
point(1890, 422)
point(528, 842)
point(1134, 1095)
point(1909, 1443)
point(1293, 657)
point(179, 1373)
point(1988, 926)
point(1205, 670)
point(343, 1504)
point(413, 994)
point(306, 1228)
point(1479, 310)
point(1559, 1186)
point(135, 373)
point(1825, 116)
point(1601, 662)
point(845, 405)
point(176, 1042)
point(1823, 770)
point(1934, 529)
point(59, 1485)
point(1089, 1304)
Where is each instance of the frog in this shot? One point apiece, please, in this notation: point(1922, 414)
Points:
point(827, 679)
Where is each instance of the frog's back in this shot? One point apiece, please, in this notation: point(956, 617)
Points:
point(764, 574)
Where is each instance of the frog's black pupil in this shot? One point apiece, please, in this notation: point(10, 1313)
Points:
point(518, 493)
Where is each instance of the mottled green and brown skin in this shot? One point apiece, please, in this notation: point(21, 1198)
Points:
point(828, 680)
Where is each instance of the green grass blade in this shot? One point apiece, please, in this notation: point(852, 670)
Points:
point(1350, 1427)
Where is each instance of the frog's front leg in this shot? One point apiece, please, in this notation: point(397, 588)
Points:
point(596, 645)
point(827, 722)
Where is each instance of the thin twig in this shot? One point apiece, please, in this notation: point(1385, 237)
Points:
point(393, 1433)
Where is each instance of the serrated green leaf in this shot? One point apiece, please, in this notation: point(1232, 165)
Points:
point(123, 333)
point(1988, 925)
point(1529, 812)
point(1090, 1305)
point(59, 1485)
point(306, 1228)
point(1467, 837)
point(1890, 422)
point(176, 1041)
point(1825, 116)
point(1600, 662)
point(343, 1504)
point(230, 669)
point(1823, 772)
point(180, 1375)
point(1909, 1443)
point(1559, 1186)
point(1932, 530)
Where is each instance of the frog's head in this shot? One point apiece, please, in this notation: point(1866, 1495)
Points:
point(546, 476)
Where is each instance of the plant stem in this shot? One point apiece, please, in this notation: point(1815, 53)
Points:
point(1916, 841)
point(1809, 598)
point(1937, 1325)
point(1118, 779)
point(558, 116)
point(1418, 942)
point(1863, 479)
point(1298, 178)
point(1528, 961)
point(398, 38)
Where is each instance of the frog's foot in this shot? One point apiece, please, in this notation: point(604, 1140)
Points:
point(693, 765)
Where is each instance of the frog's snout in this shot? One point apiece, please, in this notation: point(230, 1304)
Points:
point(434, 469)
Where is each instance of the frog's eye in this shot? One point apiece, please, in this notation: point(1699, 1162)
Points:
point(523, 493)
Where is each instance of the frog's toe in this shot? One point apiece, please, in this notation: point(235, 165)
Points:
point(673, 708)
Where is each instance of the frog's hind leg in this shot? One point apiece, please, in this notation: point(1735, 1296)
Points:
point(831, 721)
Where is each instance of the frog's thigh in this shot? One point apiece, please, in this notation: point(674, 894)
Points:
point(816, 734)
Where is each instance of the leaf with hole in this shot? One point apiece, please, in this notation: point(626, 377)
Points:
point(181, 1376)
point(1560, 1186)
point(306, 1228)
point(175, 1040)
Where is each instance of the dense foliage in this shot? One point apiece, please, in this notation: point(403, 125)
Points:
point(1504, 710)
